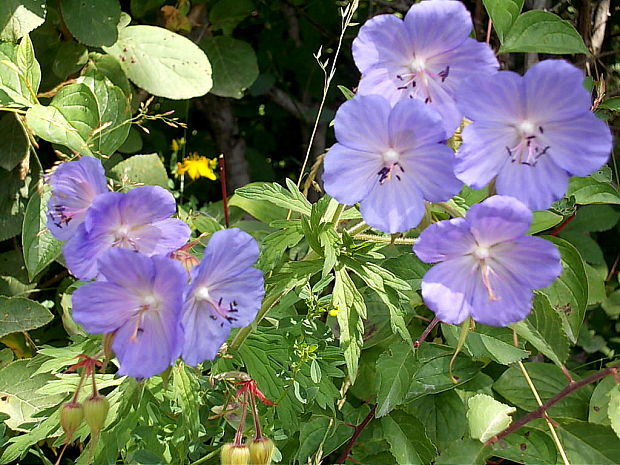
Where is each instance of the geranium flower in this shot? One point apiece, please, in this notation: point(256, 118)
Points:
point(532, 132)
point(139, 299)
point(390, 160)
point(426, 56)
point(196, 167)
point(75, 184)
point(488, 265)
point(139, 221)
point(225, 293)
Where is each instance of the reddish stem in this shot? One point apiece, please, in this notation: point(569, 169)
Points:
point(565, 223)
point(426, 332)
point(244, 412)
point(224, 191)
point(542, 410)
point(358, 430)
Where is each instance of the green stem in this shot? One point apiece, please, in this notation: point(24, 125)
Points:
point(358, 228)
point(337, 214)
point(387, 240)
point(207, 457)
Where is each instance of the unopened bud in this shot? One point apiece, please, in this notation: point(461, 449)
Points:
point(95, 412)
point(261, 451)
point(71, 416)
point(232, 454)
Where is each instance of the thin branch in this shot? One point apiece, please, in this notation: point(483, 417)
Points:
point(418, 342)
point(358, 430)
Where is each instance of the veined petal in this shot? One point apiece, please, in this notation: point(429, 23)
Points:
point(105, 213)
point(161, 237)
point(443, 103)
point(444, 240)
point(147, 204)
point(362, 123)
point(82, 251)
point(245, 291)
point(536, 186)
point(381, 40)
point(349, 174)
point(203, 336)
point(382, 81)
point(498, 219)
point(413, 124)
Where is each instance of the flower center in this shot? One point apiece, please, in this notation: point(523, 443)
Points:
point(149, 303)
point(530, 146)
point(391, 160)
point(202, 294)
point(417, 65)
point(416, 79)
point(122, 238)
point(482, 254)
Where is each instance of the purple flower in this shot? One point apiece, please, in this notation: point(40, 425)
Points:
point(75, 184)
point(139, 220)
point(390, 160)
point(426, 56)
point(489, 266)
point(138, 298)
point(225, 292)
point(532, 132)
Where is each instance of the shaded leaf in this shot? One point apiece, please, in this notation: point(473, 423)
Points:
point(407, 437)
point(18, 314)
point(14, 144)
point(588, 191)
point(92, 22)
point(141, 169)
point(234, 65)
point(19, 17)
point(503, 13)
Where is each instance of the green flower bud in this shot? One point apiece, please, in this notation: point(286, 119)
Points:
point(261, 451)
point(95, 412)
point(71, 416)
point(232, 454)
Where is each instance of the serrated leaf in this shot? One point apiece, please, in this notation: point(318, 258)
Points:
point(464, 452)
point(407, 437)
point(162, 62)
point(487, 417)
point(234, 65)
point(586, 443)
point(395, 369)
point(527, 446)
point(40, 247)
point(588, 191)
point(503, 13)
point(542, 329)
point(141, 169)
point(92, 22)
point(542, 32)
point(275, 194)
point(18, 314)
point(19, 17)
point(443, 415)
point(14, 144)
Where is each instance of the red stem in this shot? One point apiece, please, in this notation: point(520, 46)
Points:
point(542, 410)
point(426, 332)
point(244, 412)
point(565, 223)
point(358, 430)
point(224, 192)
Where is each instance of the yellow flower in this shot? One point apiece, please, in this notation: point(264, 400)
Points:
point(196, 167)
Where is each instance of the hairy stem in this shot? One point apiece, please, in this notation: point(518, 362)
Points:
point(358, 430)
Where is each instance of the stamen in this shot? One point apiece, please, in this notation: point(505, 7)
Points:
point(486, 281)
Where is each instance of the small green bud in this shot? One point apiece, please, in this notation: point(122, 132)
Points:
point(232, 454)
point(95, 412)
point(261, 451)
point(71, 416)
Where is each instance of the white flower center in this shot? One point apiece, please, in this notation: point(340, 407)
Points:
point(481, 253)
point(391, 157)
point(150, 301)
point(526, 128)
point(417, 65)
point(202, 293)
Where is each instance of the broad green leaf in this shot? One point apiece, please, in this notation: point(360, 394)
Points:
point(443, 415)
point(351, 310)
point(40, 247)
point(275, 194)
point(613, 412)
point(528, 446)
point(260, 208)
point(18, 74)
point(542, 32)
point(586, 443)
point(588, 191)
point(27, 63)
point(464, 452)
point(70, 58)
point(141, 169)
point(162, 63)
point(14, 144)
point(13, 274)
point(19, 396)
point(234, 65)
point(19, 17)
point(542, 329)
point(226, 14)
point(596, 284)
point(503, 13)
point(549, 380)
point(395, 369)
point(106, 65)
point(612, 104)
point(407, 437)
point(544, 220)
point(18, 314)
point(599, 402)
point(69, 120)
point(569, 293)
point(92, 22)
point(487, 417)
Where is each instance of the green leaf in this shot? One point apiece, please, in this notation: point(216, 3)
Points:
point(407, 437)
point(69, 120)
point(40, 247)
point(586, 443)
point(18, 314)
point(92, 22)
point(544, 220)
point(19, 74)
point(226, 14)
point(463, 452)
point(542, 329)
point(19, 396)
point(14, 144)
point(275, 194)
point(234, 65)
point(162, 62)
point(141, 169)
point(19, 17)
point(542, 32)
point(599, 402)
point(503, 13)
point(351, 310)
point(101, 64)
point(395, 369)
point(443, 415)
point(487, 417)
point(569, 293)
point(549, 380)
point(613, 412)
point(28, 65)
point(612, 104)
point(527, 445)
point(588, 190)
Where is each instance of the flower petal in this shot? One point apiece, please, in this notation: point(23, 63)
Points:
point(161, 237)
point(81, 253)
point(245, 291)
point(361, 123)
point(382, 40)
point(147, 204)
point(444, 240)
point(102, 307)
point(498, 219)
point(383, 82)
point(203, 335)
point(413, 124)
point(349, 174)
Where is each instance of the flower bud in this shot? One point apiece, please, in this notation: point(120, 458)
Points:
point(261, 451)
point(71, 415)
point(232, 454)
point(95, 412)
